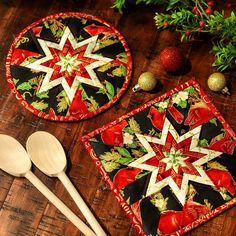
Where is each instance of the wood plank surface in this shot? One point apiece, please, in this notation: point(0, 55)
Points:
point(24, 211)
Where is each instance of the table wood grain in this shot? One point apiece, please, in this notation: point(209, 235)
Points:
point(24, 211)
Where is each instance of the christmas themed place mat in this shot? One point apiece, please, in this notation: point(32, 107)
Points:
point(170, 163)
point(68, 66)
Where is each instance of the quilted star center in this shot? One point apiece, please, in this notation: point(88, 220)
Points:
point(68, 63)
point(174, 159)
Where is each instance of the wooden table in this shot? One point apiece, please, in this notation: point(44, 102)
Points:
point(24, 211)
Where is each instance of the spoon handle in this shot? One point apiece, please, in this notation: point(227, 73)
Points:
point(81, 204)
point(59, 204)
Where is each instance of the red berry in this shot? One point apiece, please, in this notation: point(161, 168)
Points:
point(228, 5)
point(210, 3)
point(197, 12)
point(199, 29)
point(166, 24)
point(208, 11)
point(187, 33)
point(201, 24)
point(171, 59)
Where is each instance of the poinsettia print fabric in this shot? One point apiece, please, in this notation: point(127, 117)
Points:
point(170, 162)
point(68, 66)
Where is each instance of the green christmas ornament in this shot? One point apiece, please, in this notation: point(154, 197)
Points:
point(146, 81)
point(217, 83)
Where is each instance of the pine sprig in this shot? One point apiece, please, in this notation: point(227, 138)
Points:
point(120, 4)
point(150, 1)
point(183, 20)
point(224, 29)
point(191, 17)
point(225, 55)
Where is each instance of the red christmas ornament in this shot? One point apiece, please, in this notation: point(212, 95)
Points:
point(171, 59)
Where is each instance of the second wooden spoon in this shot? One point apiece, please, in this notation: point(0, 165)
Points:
point(48, 155)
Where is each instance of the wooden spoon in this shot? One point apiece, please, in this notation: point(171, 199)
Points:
point(15, 161)
point(48, 155)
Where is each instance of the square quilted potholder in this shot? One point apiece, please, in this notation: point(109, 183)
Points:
point(170, 162)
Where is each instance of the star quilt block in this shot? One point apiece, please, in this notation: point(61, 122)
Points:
point(68, 66)
point(170, 162)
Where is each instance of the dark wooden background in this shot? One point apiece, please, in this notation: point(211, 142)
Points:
point(24, 211)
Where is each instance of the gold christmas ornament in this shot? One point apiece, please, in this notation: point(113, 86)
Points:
point(217, 83)
point(146, 81)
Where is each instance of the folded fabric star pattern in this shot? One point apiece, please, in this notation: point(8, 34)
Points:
point(68, 66)
point(170, 162)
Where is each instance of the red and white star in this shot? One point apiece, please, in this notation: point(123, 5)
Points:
point(174, 160)
point(68, 63)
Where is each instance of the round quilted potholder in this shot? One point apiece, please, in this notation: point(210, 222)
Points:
point(68, 66)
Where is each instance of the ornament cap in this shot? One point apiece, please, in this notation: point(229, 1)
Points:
point(225, 90)
point(136, 88)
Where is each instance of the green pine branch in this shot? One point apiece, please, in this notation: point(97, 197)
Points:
point(120, 4)
point(190, 17)
point(170, 4)
point(225, 54)
point(222, 28)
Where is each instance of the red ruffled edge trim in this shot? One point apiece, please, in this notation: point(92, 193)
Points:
point(67, 118)
point(120, 199)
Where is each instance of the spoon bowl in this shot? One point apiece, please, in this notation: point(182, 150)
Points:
point(13, 157)
point(46, 153)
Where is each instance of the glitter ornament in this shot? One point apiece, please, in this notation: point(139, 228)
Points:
point(217, 83)
point(147, 82)
point(171, 59)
